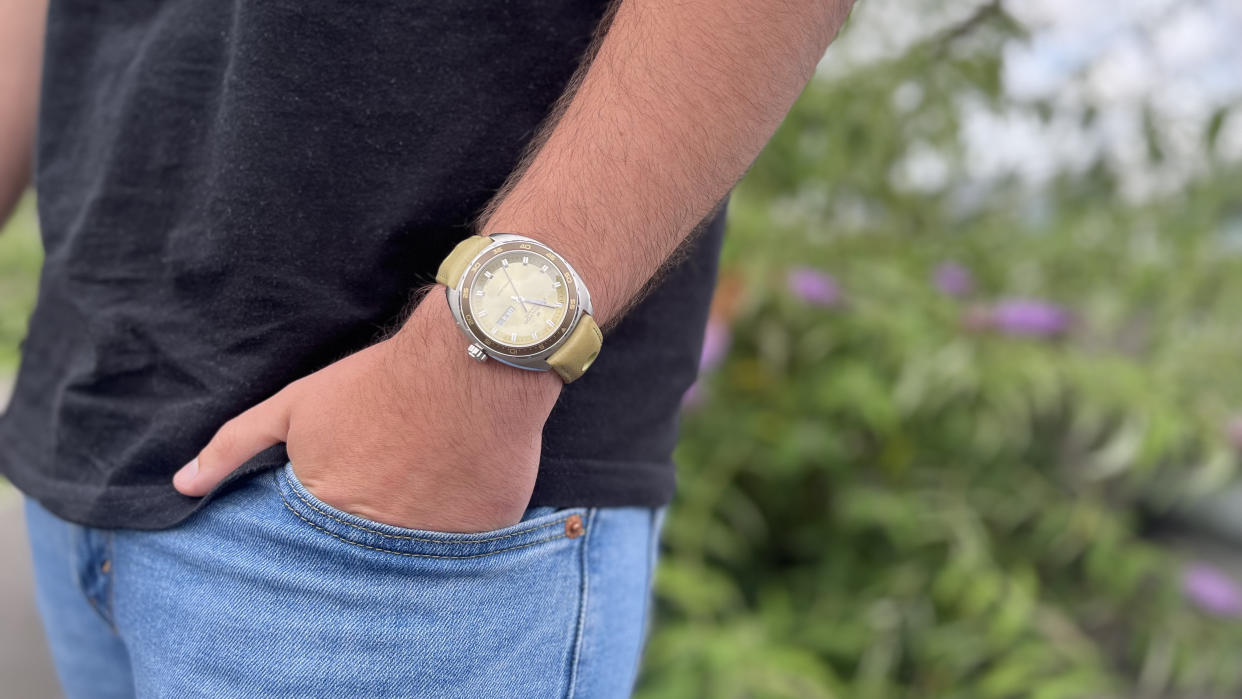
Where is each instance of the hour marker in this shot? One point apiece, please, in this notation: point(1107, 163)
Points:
point(479, 292)
point(512, 337)
point(525, 259)
point(556, 285)
point(534, 334)
point(543, 268)
point(481, 313)
point(488, 275)
point(504, 263)
point(550, 324)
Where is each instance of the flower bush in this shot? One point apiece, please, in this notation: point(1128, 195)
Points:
point(944, 452)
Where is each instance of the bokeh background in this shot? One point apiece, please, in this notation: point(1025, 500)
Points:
point(970, 409)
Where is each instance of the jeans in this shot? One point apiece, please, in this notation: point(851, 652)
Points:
point(269, 592)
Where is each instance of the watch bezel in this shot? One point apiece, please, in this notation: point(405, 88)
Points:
point(531, 356)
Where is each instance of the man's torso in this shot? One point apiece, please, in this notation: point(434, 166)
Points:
point(233, 195)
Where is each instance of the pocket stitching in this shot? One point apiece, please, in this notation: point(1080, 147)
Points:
point(333, 517)
point(334, 535)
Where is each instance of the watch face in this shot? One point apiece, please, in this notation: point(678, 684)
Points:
point(519, 298)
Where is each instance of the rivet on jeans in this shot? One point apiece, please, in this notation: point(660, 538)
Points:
point(573, 526)
point(105, 567)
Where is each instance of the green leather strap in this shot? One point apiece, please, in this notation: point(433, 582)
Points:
point(458, 261)
point(572, 359)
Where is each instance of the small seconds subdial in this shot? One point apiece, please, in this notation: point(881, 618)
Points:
point(518, 298)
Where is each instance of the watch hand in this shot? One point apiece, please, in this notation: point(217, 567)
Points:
point(515, 290)
point(537, 303)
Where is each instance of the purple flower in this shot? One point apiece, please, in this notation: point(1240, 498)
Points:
point(716, 341)
point(1030, 317)
point(954, 279)
point(814, 287)
point(693, 397)
point(715, 345)
point(1233, 431)
point(1211, 590)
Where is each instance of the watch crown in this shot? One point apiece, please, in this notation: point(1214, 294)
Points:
point(476, 353)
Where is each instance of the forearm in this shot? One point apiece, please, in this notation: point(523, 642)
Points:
point(677, 103)
point(21, 46)
point(675, 106)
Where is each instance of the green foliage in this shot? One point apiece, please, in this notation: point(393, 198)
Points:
point(885, 497)
point(20, 257)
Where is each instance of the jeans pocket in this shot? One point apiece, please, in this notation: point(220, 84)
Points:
point(539, 526)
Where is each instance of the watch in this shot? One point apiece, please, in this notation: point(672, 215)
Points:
point(520, 303)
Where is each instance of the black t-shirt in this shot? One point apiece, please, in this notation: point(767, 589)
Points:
point(234, 195)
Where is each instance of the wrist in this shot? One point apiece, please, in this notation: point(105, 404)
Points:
point(572, 241)
point(430, 336)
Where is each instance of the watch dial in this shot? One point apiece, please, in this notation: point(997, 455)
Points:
point(518, 298)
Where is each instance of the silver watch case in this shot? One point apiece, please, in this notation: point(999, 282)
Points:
point(481, 347)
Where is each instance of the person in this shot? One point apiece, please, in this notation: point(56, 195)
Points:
point(266, 452)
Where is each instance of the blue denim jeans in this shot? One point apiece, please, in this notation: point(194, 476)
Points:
point(269, 592)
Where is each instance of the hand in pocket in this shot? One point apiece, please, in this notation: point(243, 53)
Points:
point(409, 432)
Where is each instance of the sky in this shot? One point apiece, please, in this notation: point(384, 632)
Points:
point(1182, 60)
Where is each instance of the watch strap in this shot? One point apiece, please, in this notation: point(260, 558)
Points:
point(574, 357)
point(458, 261)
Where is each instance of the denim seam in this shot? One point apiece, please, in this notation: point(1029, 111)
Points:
point(100, 612)
point(77, 581)
point(653, 543)
point(414, 555)
point(111, 581)
point(580, 632)
point(333, 517)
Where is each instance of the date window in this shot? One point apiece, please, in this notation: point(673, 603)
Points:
point(505, 316)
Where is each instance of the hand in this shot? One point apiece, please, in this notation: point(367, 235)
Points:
point(409, 432)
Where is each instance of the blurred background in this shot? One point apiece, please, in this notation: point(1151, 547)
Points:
point(970, 409)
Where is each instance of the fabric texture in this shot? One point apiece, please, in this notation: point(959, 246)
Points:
point(234, 195)
point(272, 593)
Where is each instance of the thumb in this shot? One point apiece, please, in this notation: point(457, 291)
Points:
point(234, 443)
